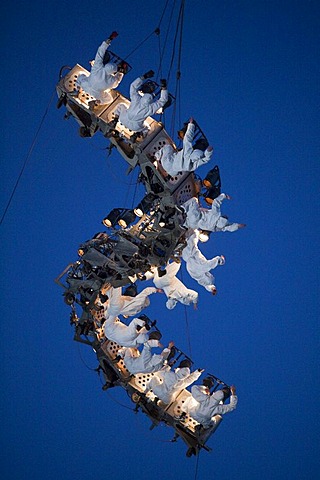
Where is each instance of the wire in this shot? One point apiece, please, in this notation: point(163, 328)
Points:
point(82, 359)
point(187, 321)
point(197, 464)
point(27, 157)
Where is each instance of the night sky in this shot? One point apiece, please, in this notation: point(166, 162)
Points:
point(250, 77)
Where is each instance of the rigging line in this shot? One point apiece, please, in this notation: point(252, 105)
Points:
point(116, 177)
point(28, 156)
point(197, 464)
point(163, 12)
point(119, 403)
point(82, 359)
point(135, 191)
point(175, 40)
point(141, 43)
point(166, 38)
point(186, 320)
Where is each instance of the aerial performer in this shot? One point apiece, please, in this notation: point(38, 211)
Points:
point(198, 266)
point(174, 289)
point(189, 157)
point(167, 384)
point(141, 106)
point(103, 77)
point(204, 405)
point(145, 362)
point(127, 305)
point(209, 219)
point(126, 335)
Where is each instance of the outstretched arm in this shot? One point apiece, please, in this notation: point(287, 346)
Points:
point(154, 107)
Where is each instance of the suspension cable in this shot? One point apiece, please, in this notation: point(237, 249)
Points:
point(27, 157)
point(186, 320)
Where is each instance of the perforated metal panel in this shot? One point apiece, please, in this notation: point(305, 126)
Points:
point(140, 381)
point(176, 409)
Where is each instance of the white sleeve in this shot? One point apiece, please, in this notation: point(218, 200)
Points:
point(222, 409)
point(134, 88)
point(154, 107)
point(98, 61)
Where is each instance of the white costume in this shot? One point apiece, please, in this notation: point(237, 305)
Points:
point(167, 384)
point(125, 335)
point(197, 265)
point(144, 362)
point(208, 218)
point(102, 78)
point(174, 289)
point(185, 160)
point(125, 305)
point(140, 107)
point(203, 406)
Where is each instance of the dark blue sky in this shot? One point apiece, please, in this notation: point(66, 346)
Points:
point(250, 76)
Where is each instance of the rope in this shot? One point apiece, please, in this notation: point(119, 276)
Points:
point(165, 40)
point(27, 157)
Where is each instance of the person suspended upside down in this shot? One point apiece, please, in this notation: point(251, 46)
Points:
point(198, 266)
point(209, 219)
point(174, 289)
point(144, 362)
point(167, 384)
point(204, 405)
point(126, 305)
point(126, 335)
point(189, 158)
point(103, 77)
point(141, 106)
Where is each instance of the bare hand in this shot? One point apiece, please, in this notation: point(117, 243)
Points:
point(228, 196)
point(191, 120)
point(195, 306)
point(233, 389)
point(241, 225)
point(159, 290)
point(210, 148)
point(171, 344)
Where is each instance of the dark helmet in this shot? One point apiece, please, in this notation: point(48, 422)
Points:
point(148, 87)
point(123, 67)
point(155, 335)
point(131, 291)
point(106, 57)
point(208, 382)
point(185, 363)
point(201, 144)
point(226, 392)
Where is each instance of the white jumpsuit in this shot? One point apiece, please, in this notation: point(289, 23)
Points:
point(144, 362)
point(209, 219)
point(174, 289)
point(125, 335)
point(167, 384)
point(202, 407)
point(122, 304)
point(185, 160)
point(197, 265)
point(102, 78)
point(140, 107)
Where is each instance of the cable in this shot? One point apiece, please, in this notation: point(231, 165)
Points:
point(82, 359)
point(27, 157)
point(197, 464)
point(187, 322)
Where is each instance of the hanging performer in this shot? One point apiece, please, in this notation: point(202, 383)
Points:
point(144, 362)
point(174, 289)
point(209, 219)
point(103, 77)
point(166, 385)
point(198, 266)
point(203, 405)
point(141, 107)
point(126, 335)
point(127, 305)
point(187, 159)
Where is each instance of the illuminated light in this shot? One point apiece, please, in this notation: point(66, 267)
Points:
point(145, 204)
point(80, 252)
point(212, 177)
point(127, 217)
point(111, 219)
